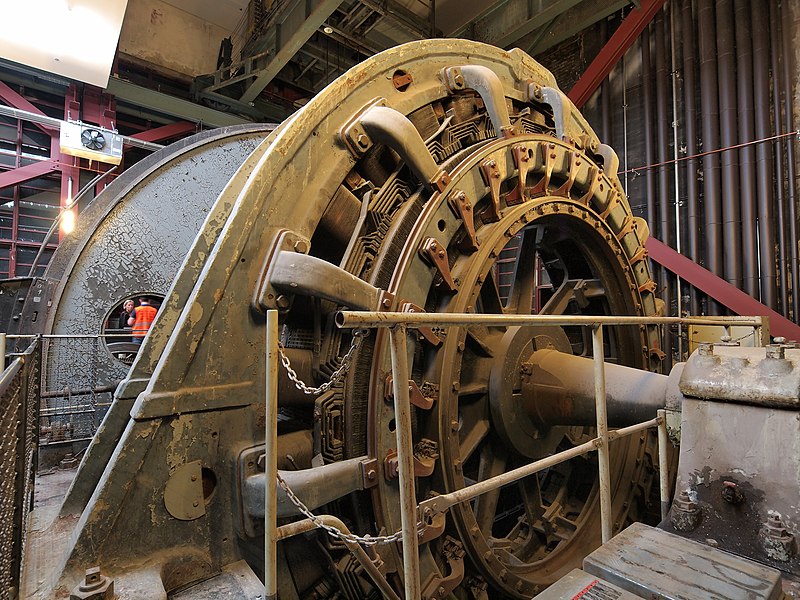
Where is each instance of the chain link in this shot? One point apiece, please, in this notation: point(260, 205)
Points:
point(367, 540)
point(338, 374)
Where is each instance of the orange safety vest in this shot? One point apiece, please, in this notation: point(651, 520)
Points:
point(144, 318)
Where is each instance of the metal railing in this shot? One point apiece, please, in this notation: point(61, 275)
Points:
point(411, 513)
point(76, 386)
point(19, 388)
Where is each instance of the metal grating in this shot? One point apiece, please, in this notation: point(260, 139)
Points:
point(18, 419)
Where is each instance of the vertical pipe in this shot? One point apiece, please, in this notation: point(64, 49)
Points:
point(788, 119)
point(271, 463)
point(690, 128)
point(731, 210)
point(675, 170)
point(625, 122)
point(602, 431)
point(605, 92)
point(663, 124)
point(763, 156)
point(405, 459)
point(747, 181)
point(647, 116)
point(709, 106)
point(2, 352)
point(777, 77)
point(663, 462)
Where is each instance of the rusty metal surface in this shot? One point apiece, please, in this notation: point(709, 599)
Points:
point(655, 564)
point(763, 376)
point(740, 465)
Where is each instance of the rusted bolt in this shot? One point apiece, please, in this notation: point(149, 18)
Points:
point(526, 369)
point(731, 493)
point(282, 301)
point(95, 586)
point(363, 141)
point(777, 542)
point(458, 80)
point(461, 346)
point(456, 386)
point(705, 349)
point(686, 513)
point(195, 503)
point(454, 425)
point(776, 351)
point(261, 462)
point(371, 475)
point(194, 477)
point(301, 246)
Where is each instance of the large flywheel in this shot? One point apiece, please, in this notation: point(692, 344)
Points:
point(399, 187)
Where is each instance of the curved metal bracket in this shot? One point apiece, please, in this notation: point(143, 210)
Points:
point(489, 87)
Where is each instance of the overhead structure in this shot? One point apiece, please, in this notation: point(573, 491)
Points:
point(396, 188)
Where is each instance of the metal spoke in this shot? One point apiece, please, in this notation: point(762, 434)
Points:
point(522, 293)
point(490, 301)
point(473, 438)
point(492, 463)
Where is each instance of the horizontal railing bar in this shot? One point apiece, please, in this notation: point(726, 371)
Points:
point(349, 319)
point(631, 429)
point(439, 504)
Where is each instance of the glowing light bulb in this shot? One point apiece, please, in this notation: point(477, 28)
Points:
point(68, 221)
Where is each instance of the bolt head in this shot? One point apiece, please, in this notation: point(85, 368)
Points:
point(705, 349)
point(301, 246)
point(282, 301)
point(776, 351)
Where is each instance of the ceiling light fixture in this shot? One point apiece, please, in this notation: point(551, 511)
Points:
point(74, 38)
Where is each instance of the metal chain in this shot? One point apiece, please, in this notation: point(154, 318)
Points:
point(338, 374)
point(367, 540)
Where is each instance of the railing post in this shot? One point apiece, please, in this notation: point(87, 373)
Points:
point(2, 352)
point(602, 431)
point(405, 459)
point(271, 461)
point(663, 462)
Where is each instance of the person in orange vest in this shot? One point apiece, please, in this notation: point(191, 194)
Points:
point(141, 318)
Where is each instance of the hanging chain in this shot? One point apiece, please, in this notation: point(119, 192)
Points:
point(367, 540)
point(338, 374)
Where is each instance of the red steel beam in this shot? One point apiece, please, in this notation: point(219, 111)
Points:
point(609, 56)
point(719, 289)
point(12, 98)
point(166, 132)
point(28, 172)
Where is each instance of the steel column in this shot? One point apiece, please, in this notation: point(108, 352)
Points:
point(623, 38)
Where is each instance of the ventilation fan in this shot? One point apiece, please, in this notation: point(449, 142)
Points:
point(93, 139)
point(91, 142)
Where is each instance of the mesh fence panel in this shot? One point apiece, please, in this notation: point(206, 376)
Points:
point(18, 427)
point(71, 408)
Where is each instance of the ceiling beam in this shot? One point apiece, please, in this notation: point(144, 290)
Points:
point(12, 98)
point(28, 172)
point(166, 132)
point(612, 51)
point(571, 22)
point(170, 105)
point(301, 24)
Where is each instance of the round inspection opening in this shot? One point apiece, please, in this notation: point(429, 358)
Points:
point(442, 225)
point(209, 484)
point(392, 425)
point(119, 339)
